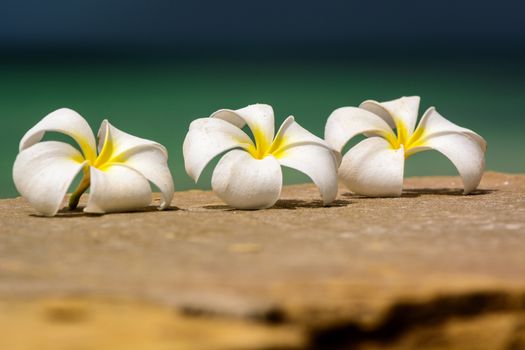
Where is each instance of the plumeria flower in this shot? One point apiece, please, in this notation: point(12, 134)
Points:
point(374, 167)
point(249, 175)
point(117, 174)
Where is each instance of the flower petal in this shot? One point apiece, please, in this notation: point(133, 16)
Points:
point(151, 163)
point(147, 157)
point(206, 139)
point(114, 142)
point(65, 121)
point(291, 133)
point(464, 152)
point(434, 124)
point(464, 148)
point(318, 162)
point(117, 188)
point(401, 112)
point(43, 172)
point(347, 122)
point(245, 182)
point(260, 120)
point(373, 168)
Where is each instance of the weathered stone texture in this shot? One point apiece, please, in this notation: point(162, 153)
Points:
point(433, 269)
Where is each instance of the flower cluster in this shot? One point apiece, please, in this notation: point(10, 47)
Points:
point(374, 167)
point(248, 175)
point(117, 172)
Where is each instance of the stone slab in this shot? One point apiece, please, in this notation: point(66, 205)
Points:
point(363, 272)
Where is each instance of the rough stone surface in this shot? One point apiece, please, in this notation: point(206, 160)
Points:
point(433, 269)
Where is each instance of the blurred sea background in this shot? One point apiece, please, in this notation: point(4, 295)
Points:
point(151, 67)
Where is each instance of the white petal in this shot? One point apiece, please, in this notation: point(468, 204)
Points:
point(43, 172)
point(245, 182)
point(318, 163)
point(152, 164)
point(402, 111)
point(259, 117)
point(465, 153)
point(65, 121)
point(117, 188)
point(208, 138)
point(121, 142)
point(291, 133)
point(347, 122)
point(145, 156)
point(464, 148)
point(373, 168)
point(434, 124)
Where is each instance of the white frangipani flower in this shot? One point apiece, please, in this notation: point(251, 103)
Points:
point(375, 166)
point(249, 175)
point(117, 176)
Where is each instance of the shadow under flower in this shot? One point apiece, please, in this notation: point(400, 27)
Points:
point(297, 203)
point(223, 207)
point(66, 213)
point(290, 204)
point(416, 192)
point(444, 191)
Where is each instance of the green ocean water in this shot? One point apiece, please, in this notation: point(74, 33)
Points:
point(158, 100)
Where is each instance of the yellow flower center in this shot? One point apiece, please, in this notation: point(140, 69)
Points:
point(263, 147)
point(403, 138)
point(106, 158)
